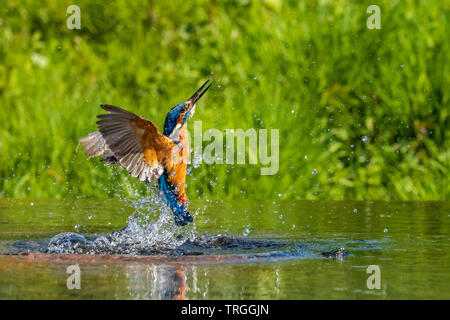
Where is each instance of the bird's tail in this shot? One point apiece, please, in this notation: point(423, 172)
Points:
point(179, 209)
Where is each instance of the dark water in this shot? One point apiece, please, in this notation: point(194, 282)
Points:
point(236, 250)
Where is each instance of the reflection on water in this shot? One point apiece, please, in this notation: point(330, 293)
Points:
point(156, 281)
point(325, 256)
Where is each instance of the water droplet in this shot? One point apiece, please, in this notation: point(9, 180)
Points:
point(385, 230)
point(364, 139)
point(355, 210)
point(314, 171)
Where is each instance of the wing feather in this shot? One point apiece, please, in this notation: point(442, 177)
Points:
point(123, 137)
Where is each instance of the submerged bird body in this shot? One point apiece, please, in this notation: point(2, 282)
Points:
point(137, 145)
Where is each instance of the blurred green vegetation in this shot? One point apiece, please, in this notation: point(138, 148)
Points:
point(309, 68)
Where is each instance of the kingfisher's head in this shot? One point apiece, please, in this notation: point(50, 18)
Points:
point(178, 116)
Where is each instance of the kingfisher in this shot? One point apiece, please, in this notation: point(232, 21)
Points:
point(137, 145)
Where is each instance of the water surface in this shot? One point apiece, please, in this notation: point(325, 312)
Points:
point(235, 250)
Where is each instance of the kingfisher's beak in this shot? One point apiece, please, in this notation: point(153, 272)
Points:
point(198, 94)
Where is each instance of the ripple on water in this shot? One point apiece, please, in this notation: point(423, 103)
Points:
point(206, 245)
point(151, 231)
point(145, 235)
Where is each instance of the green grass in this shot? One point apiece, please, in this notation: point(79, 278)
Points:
point(309, 68)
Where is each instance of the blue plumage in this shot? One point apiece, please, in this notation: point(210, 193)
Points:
point(179, 209)
point(175, 199)
point(172, 118)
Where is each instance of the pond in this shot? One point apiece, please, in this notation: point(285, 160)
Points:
point(235, 250)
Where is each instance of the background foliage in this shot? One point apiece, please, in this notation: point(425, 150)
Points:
point(366, 109)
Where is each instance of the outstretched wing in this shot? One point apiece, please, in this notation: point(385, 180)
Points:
point(131, 141)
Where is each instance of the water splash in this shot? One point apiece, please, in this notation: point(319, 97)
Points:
point(150, 229)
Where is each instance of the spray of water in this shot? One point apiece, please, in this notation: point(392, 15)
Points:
point(150, 230)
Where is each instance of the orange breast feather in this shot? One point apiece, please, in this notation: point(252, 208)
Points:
point(176, 169)
point(159, 149)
